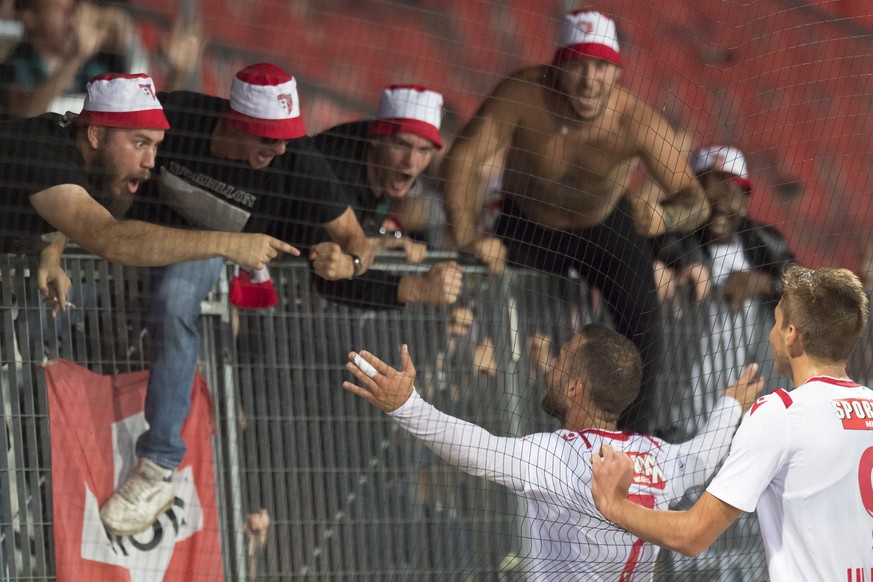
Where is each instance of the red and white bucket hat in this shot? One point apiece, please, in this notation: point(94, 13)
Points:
point(412, 109)
point(587, 34)
point(725, 159)
point(264, 102)
point(123, 101)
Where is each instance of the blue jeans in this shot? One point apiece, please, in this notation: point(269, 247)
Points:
point(177, 291)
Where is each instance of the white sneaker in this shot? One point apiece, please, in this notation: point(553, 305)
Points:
point(147, 493)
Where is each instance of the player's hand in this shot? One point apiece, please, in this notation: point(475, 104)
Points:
point(254, 251)
point(54, 285)
point(613, 473)
point(743, 286)
point(747, 387)
point(491, 251)
point(439, 286)
point(330, 262)
point(378, 383)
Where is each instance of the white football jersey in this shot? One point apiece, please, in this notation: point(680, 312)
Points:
point(805, 460)
point(567, 538)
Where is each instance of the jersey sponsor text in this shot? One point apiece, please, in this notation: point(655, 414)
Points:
point(647, 471)
point(855, 413)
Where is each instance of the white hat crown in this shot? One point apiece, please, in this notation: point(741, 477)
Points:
point(411, 102)
point(588, 27)
point(121, 94)
point(265, 101)
point(725, 159)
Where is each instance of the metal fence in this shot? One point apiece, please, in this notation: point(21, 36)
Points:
point(349, 495)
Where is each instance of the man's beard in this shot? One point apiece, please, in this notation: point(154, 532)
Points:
point(101, 179)
point(553, 407)
point(116, 204)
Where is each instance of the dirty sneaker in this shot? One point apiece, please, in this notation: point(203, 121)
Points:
point(148, 492)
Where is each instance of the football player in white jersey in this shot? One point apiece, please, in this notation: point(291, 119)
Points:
point(596, 376)
point(803, 460)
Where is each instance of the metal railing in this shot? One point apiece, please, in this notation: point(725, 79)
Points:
point(348, 493)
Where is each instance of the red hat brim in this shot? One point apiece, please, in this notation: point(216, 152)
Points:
point(288, 128)
point(146, 119)
point(742, 183)
point(420, 128)
point(586, 49)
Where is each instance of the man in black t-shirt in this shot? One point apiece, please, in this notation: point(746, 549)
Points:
point(71, 177)
point(234, 165)
point(378, 162)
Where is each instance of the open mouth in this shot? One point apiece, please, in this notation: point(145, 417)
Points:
point(264, 158)
point(134, 182)
point(401, 181)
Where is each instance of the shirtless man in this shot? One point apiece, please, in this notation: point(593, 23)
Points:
point(571, 136)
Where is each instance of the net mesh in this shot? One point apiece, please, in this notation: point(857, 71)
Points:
point(314, 482)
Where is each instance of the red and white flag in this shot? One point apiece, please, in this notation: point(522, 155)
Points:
point(95, 421)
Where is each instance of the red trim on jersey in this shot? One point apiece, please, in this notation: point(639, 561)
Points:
point(652, 440)
point(632, 561)
point(617, 435)
point(782, 394)
point(761, 400)
point(844, 382)
point(637, 548)
point(786, 399)
point(613, 434)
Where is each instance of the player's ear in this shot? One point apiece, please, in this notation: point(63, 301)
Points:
point(576, 388)
point(792, 339)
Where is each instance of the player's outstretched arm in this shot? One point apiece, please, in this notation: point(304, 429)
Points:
point(701, 455)
point(747, 387)
point(463, 444)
